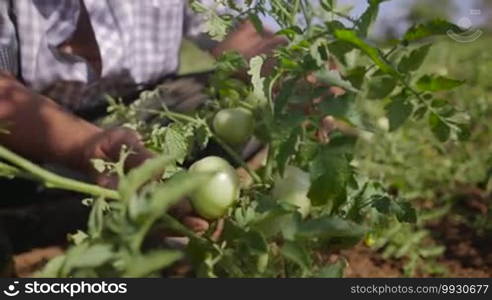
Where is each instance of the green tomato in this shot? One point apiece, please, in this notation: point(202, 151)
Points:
point(234, 125)
point(213, 199)
point(293, 189)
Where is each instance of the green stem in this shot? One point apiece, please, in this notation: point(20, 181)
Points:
point(386, 56)
point(171, 115)
point(293, 17)
point(52, 180)
point(419, 97)
point(305, 14)
point(237, 158)
point(281, 7)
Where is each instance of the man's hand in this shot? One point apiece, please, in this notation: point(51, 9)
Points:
point(248, 42)
point(107, 146)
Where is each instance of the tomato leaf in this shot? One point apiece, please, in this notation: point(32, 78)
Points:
point(255, 242)
point(398, 111)
point(356, 76)
point(334, 78)
point(432, 83)
point(369, 16)
point(330, 227)
point(297, 254)
point(374, 54)
point(439, 127)
point(287, 149)
point(381, 86)
point(414, 60)
point(405, 212)
point(330, 172)
point(284, 95)
point(429, 29)
point(256, 64)
point(382, 204)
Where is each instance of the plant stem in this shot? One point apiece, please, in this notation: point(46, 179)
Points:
point(227, 148)
point(52, 180)
point(386, 56)
point(172, 115)
point(237, 158)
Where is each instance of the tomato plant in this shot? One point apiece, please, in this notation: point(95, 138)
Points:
point(307, 197)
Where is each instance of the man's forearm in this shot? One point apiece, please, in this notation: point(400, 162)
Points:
point(40, 129)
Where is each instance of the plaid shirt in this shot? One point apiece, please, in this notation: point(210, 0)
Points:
point(139, 44)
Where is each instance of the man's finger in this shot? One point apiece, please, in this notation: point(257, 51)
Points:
point(196, 224)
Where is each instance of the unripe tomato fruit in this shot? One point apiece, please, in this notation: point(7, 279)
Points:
point(234, 125)
point(293, 189)
point(213, 199)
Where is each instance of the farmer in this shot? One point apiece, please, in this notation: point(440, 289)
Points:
point(59, 58)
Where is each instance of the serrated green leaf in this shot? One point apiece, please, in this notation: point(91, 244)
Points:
point(439, 127)
point(381, 86)
point(405, 212)
point(414, 60)
point(297, 254)
point(334, 78)
point(319, 52)
point(99, 165)
point(255, 242)
point(287, 149)
point(258, 82)
point(398, 111)
point(382, 204)
point(369, 16)
point(175, 144)
point(432, 83)
point(356, 76)
point(373, 53)
point(429, 29)
point(330, 173)
point(284, 95)
point(330, 227)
